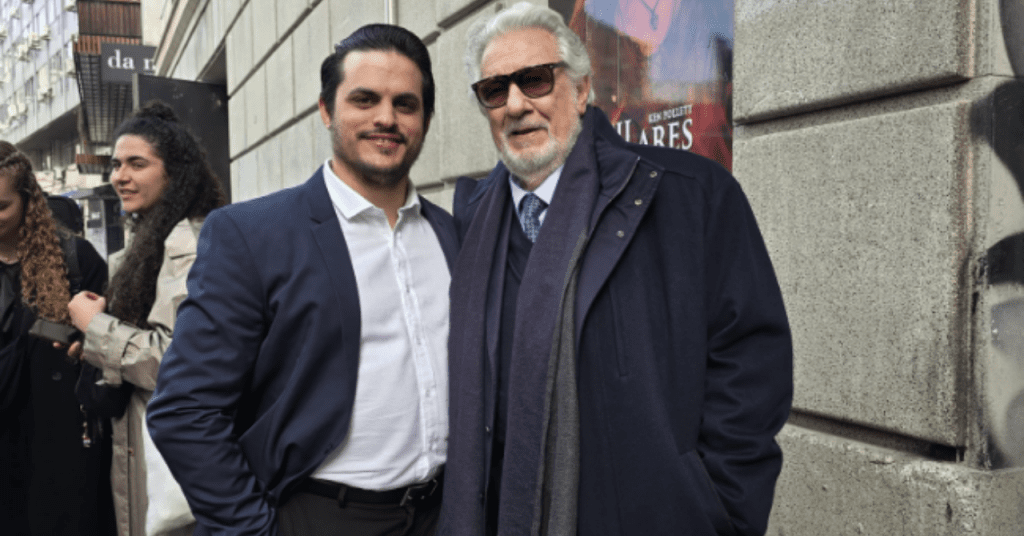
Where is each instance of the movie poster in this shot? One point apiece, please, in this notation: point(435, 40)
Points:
point(662, 69)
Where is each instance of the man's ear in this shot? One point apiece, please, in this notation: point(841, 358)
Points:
point(584, 94)
point(325, 116)
point(426, 125)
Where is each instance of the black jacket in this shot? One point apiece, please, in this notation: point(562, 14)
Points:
point(50, 484)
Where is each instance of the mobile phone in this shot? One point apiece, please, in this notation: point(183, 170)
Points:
point(54, 332)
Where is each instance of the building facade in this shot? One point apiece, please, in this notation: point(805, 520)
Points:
point(880, 144)
point(39, 98)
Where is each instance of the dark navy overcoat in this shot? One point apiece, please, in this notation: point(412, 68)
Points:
point(684, 354)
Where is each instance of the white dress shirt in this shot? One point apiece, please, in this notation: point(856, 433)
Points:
point(398, 435)
point(546, 191)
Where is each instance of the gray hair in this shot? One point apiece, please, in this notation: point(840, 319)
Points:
point(571, 49)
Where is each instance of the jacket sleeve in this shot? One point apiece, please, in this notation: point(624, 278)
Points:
point(749, 378)
point(126, 353)
point(204, 373)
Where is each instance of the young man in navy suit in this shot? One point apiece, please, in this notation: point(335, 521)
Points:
point(620, 354)
point(305, 391)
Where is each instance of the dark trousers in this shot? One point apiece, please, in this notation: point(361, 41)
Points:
point(306, 514)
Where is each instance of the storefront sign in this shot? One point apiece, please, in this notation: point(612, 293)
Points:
point(119, 62)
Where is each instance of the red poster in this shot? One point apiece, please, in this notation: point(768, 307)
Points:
point(663, 70)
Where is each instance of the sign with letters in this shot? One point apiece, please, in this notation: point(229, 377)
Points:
point(119, 62)
point(662, 69)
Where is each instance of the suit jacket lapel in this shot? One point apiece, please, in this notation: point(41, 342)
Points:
point(337, 262)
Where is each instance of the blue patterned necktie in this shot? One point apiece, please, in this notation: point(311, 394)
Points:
point(529, 215)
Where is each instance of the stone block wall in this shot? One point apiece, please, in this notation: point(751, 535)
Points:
point(882, 147)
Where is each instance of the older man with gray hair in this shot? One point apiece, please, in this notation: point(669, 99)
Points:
point(620, 357)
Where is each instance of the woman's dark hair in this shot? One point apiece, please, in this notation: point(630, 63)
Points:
point(44, 282)
point(192, 190)
point(377, 37)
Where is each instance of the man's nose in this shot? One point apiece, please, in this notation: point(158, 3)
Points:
point(385, 116)
point(518, 103)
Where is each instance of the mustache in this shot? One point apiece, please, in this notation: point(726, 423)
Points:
point(392, 133)
point(524, 125)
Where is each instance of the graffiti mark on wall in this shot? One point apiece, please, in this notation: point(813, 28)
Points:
point(999, 119)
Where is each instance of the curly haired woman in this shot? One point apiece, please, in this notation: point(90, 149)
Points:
point(167, 188)
point(53, 480)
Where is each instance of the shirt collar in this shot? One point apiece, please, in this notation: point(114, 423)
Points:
point(350, 203)
point(545, 191)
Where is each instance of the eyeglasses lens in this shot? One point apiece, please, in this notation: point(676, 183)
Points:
point(534, 82)
point(493, 93)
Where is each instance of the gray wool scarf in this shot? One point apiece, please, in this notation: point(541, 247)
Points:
point(543, 425)
point(558, 482)
point(540, 472)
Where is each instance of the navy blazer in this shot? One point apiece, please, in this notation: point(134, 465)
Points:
point(684, 355)
point(258, 384)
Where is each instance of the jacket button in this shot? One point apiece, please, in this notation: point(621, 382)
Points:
point(131, 451)
point(57, 376)
point(487, 430)
point(620, 234)
point(638, 201)
point(654, 174)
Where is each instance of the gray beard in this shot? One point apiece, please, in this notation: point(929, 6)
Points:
point(534, 169)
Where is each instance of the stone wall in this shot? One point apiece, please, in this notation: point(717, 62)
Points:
point(880, 143)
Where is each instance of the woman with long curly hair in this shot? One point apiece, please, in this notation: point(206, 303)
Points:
point(54, 457)
point(166, 188)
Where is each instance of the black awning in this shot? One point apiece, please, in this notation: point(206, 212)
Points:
point(104, 104)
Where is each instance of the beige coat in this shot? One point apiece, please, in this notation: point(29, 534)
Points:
point(127, 353)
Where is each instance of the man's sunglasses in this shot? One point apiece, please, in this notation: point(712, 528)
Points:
point(534, 81)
